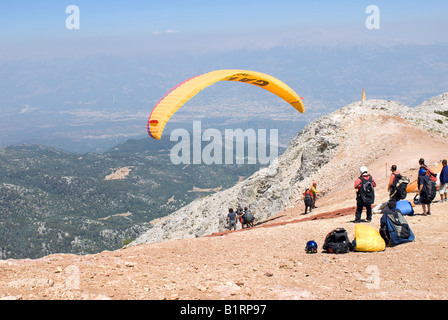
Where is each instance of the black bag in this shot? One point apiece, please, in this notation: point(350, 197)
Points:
point(337, 241)
point(308, 199)
point(366, 192)
point(429, 190)
point(399, 187)
point(394, 228)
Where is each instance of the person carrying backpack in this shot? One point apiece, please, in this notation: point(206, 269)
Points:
point(308, 200)
point(397, 185)
point(392, 182)
point(365, 195)
point(426, 186)
point(247, 218)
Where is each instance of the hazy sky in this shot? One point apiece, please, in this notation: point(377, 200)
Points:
point(30, 27)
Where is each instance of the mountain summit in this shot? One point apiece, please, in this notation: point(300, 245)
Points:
point(329, 151)
point(269, 261)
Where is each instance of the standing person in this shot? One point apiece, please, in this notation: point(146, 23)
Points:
point(365, 195)
point(391, 187)
point(314, 193)
point(424, 192)
point(239, 215)
point(307, 198)
point(443, 189)
point(231, 219)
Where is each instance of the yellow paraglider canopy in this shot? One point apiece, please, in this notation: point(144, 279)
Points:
point(183, 92)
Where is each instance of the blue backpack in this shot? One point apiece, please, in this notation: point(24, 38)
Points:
point(394, 228)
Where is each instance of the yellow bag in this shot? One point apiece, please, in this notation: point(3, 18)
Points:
point(368, 239)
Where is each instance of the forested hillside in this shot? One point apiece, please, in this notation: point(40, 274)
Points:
point(53, 201)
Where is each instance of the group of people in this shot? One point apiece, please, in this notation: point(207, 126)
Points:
point(423, 173)
point(365, 193)
point(245, 217)
point(310, 196)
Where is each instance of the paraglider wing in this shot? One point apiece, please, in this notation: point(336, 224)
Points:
point(183, 92)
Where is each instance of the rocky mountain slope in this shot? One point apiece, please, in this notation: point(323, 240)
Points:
point(54, 201)
point(328, 151)
point(269, 261)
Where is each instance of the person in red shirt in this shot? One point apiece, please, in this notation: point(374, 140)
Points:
point(365, 195)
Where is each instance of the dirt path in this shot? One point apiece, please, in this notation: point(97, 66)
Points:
point(261, 263)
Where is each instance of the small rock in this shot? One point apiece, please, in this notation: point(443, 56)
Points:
point(201, 288)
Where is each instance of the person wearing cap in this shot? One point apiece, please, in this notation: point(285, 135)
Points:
point(360, 203)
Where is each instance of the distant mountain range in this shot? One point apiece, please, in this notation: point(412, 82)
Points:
point(96, 102)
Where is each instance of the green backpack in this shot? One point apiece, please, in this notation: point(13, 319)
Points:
point(248, 216)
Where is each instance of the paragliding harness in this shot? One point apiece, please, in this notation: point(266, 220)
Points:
point(366, 192)
point(429, 189)
point(248, 216)
point(247, 219)
point(337, 241)
point(399, 187)
point(394, 228)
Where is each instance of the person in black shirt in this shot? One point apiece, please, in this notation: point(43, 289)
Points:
point(231, 219)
